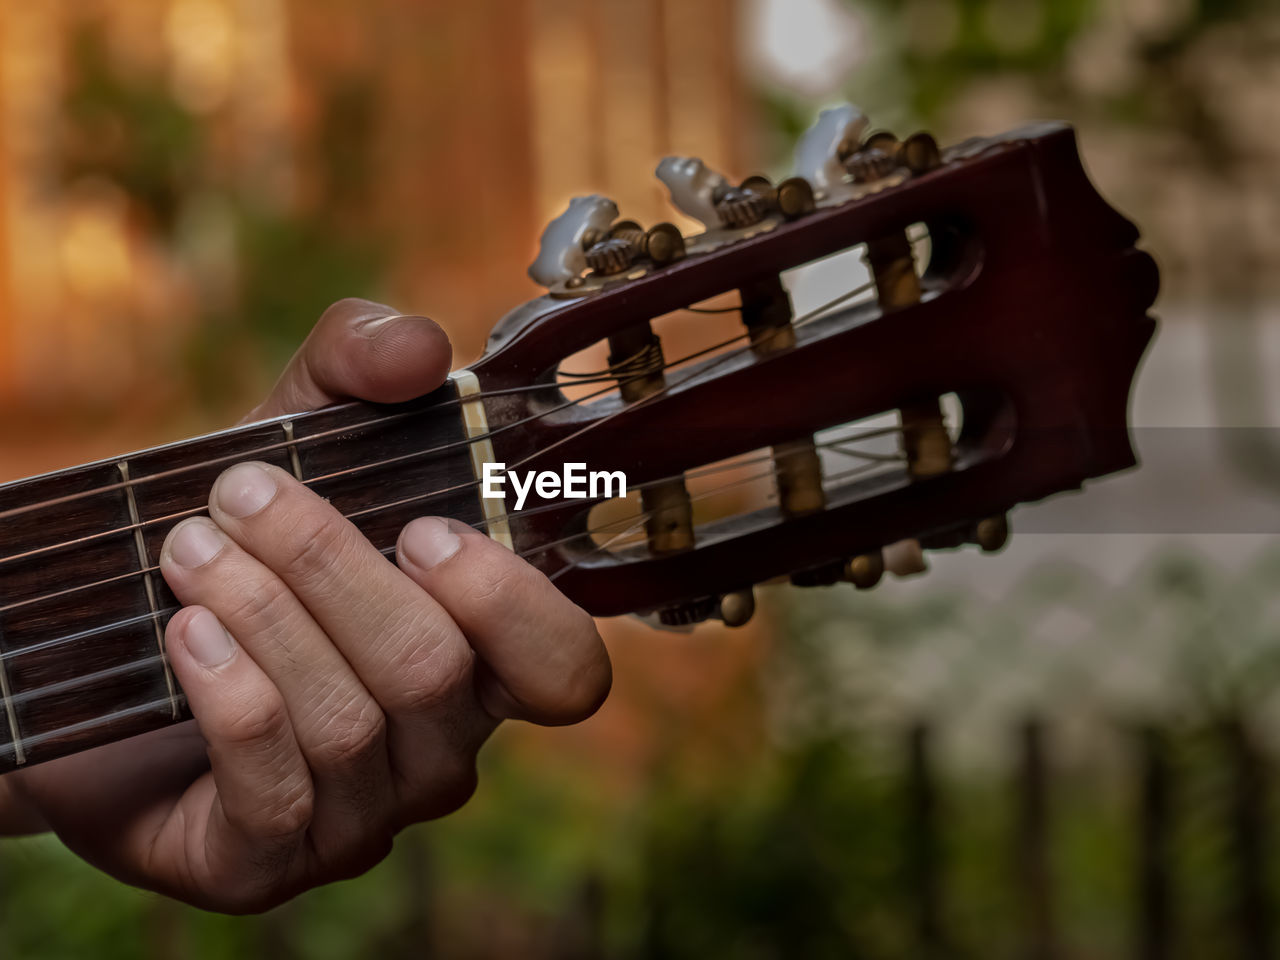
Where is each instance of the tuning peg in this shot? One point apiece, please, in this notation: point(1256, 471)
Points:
point(694, 187)
point(992, 533)
point(920, 153)
point(664, 243)
point(823, 148)
point(737, 608)
point(864, 571)
point(878, 157)
point(562, 253)
point(905, 558)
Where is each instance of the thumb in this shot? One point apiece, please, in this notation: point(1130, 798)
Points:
point(365, 351)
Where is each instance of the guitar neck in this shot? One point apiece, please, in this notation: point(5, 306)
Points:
point(83, 606)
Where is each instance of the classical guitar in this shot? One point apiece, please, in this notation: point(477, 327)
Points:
point(998, 280)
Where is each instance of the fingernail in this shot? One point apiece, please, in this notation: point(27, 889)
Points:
point(374, 325)
point(195, 543)
point(428, 542)
point(245, 489)
point(207, 640)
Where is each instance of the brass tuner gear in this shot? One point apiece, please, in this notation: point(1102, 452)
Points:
point(739, 207)
point(630, 231)
point(823, 576)
point(880, 155)
point(992, 533)
point(737, 608)
point(691, 611)
point(864, 571)
point(664, 243)
point(611, 256)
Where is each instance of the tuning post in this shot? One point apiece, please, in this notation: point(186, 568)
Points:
point(767, 314)
point(925, 440)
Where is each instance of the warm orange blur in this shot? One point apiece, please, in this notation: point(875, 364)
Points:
point(486, 117)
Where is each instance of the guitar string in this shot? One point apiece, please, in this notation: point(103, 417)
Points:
point(581, 380)
point(390, 461)
point(132, 666)
point(735, 464)
point(635, 527)
point(108, 488)
point(143, 571)
point(811, 317)
point(91, 724)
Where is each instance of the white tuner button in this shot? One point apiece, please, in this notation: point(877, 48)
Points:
point(562, 252)
point(694, 188)
point(822, 148)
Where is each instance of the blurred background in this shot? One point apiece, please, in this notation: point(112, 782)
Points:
point(1062, 751)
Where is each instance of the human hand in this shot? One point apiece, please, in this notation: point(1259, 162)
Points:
point(337, 698)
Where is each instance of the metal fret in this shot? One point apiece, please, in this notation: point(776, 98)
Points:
point(140, 541)
point(476, 424)
point(19, 755)
point(296, 463)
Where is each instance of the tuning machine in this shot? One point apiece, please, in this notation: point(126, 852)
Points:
point(731, 213)
point(842, 163)
point(733, 609)
point(587, 247)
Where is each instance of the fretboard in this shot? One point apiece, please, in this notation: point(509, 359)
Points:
point(83, 606)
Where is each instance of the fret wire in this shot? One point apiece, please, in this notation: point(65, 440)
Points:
point(293, 450)
point(11, 715)
point(140, 542)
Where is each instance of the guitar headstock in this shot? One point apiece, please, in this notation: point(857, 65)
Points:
point(987, 362)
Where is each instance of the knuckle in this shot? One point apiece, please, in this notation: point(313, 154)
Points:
point(291, 814)
point(260, 604)
point(434, 680)
point(261, 722)
point(311, 545)
point(353, 737)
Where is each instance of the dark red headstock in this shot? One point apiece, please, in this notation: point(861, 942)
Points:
point(1031, 312)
